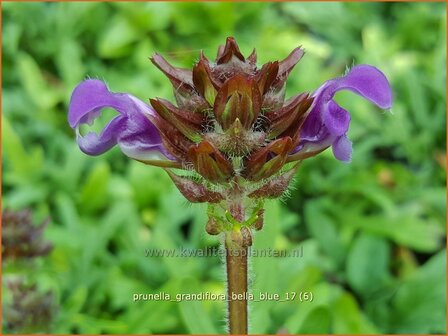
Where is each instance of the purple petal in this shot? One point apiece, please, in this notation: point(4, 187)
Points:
point(137, 137)
point(327, 123)
point(342, 149)
point(336, 119)
point(87, 100)
point(140, 139)
point(93, 144)
point(364, 80)
point(312, 129)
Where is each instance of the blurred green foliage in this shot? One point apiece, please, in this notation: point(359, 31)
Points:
point(372, 232)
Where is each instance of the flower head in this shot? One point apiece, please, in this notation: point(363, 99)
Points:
point(21, 239)
point(231, 123)
point(29, 310)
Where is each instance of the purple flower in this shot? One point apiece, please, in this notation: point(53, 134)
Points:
point(327, 123)
point(136, 136)
point(231, 121)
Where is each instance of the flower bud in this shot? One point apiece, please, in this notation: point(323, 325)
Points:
point(246, 234)
point(213, 228)
point(258, 224)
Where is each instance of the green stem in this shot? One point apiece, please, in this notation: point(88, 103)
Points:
point(236, 263)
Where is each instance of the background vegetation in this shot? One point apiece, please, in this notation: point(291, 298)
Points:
point(373, 231)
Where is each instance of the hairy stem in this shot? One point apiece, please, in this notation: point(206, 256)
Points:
point(236, 262)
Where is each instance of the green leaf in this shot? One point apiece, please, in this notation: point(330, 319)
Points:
point(69, 62)
point(37, 88)
point(323, 229)
point(66, 210)
point(324, 297)
point(403, 228)
point(116, 39)
point(148, 183)
point(24, 162)
point(348, 318)
point(76, 300)
point(154, 316)
point(193, 313)
point(317, 322)
point(27, 195)
point(419, 304)
point(368, 263)
point(95, 189)
point(14, 32)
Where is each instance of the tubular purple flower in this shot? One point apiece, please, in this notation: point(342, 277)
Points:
point(134, 133)
point(327, 123)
